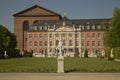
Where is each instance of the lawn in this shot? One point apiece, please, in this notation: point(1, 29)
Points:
point(49, 65)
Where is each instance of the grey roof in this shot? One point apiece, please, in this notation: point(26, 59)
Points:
point(69, 22)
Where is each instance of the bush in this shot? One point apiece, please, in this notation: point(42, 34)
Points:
point(86, 54)
point(27, 54)
point(107, 52)
point(116, 52)
point(10, 52)
point(1, 53)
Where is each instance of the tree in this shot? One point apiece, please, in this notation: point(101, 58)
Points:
point(112, 36)
point(7, 41)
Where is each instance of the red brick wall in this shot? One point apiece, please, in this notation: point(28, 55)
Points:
point(90, 39)
point(18, 28)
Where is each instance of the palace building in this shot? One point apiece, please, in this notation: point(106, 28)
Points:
point(39, 30)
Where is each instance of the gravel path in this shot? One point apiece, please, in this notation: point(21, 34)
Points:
point(56, 76)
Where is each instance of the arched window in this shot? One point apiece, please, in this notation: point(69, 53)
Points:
point(35, 21)
point(25, 25)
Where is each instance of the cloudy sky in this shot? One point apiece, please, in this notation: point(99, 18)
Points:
point(75, 9)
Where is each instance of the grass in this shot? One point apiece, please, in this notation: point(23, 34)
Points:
point(28, 65)
point(91, 65)
point(49, 65)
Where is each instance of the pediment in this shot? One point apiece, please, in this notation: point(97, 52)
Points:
point(66, 28)
point(36, 11)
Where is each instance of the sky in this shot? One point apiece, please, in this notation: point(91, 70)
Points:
point(74, 9)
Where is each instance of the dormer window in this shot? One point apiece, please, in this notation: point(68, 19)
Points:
point(98, 27)
point(83, 27)
point(88, 27)
point(93, 27)
point(45, 27)
point(80, 26)
point(54, 26)
point(40, 27)
point(73, 25)
point(35, 27)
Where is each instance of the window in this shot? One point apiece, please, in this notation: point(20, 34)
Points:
point(82, 43)
point(30, 43)
point(70, 50)
point(35, 43)
point(88, 27)
point(77, 43)
point(57, 35)
point(98, 35)
point(93, 27)
point(25, 25)
point(70, 43)
point(63, 42)
point(30, 35)
point(88, 44)
point(77, 35)
point(40, 35)
point(63, 34)
point(35, 36)
point(35, 27)
point(88, 35)
point(50, 43)
point(83, 27)
point(93, 35)
point(70, 34)
point(82, 35)
point(40, 27)
point(46, 28)
point(93, 43)
point(98, 43)
point(57, 42)
point(50, 35)
point(40, 43)
point(45, 43)
point(98, 27)
point(45, 36)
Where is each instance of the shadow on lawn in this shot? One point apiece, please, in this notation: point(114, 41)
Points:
point(71, 70)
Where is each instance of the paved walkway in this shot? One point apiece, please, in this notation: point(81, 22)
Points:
point(55, 76)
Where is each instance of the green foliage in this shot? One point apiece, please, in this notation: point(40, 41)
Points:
point(112, 37)
point(1, 53)
point(7, 41)
point(105, 25)
point(116, 52)
point(107, 52)
point(86, 54)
